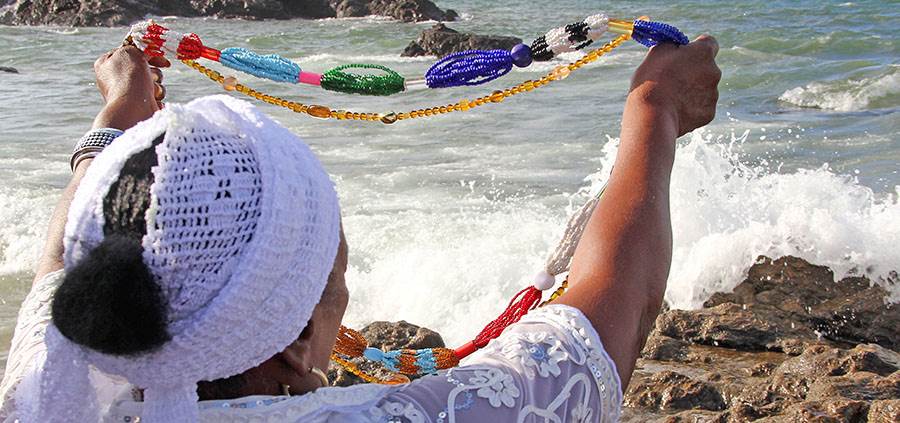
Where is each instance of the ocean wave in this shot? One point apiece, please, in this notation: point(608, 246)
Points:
point(847, 95)
point(24, 215)
point(725, 214)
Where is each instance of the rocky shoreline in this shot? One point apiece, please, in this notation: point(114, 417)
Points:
point(789, 344)
point(126, 12)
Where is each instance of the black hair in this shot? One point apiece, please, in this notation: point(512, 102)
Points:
point(110, 301)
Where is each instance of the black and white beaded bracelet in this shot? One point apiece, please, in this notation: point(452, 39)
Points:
point(92, 143)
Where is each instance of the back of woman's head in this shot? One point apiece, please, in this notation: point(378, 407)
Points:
point(197, 246)
point(109, 301)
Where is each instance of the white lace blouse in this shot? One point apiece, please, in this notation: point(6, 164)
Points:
point(549, 367)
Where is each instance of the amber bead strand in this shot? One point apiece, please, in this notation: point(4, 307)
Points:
point(323, 112)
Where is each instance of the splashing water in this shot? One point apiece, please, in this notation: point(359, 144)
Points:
point(453, 273)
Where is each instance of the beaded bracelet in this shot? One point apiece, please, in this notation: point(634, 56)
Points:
point(473, 67)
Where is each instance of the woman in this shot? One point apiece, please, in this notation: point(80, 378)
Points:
point(194, 271)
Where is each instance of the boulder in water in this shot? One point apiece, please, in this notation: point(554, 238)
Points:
point(441, 40)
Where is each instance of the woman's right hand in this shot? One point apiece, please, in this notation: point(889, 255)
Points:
point(125, 73)
point(681, 80)
point(131, 86)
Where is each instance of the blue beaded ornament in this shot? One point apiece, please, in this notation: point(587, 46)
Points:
point(271, 66)
point(472, 67)
point(651, 33)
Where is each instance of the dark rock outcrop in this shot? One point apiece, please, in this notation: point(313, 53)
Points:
point(884, 411)
point(789, 344)
point(784, 304)
point(403, 10)
point(441, 40)
point(387, 336)
point(8, 69)
point(126, 12)
point(669, 390)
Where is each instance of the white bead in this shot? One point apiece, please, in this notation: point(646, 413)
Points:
point(544, 281)
point(415, 84)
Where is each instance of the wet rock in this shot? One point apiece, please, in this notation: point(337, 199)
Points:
point(393, 336)
point(761, 369)
point(74, 12)
point(803, 301)
point(884, 411)
point(822, 360)
point(126, 12)
point(403, 10)
point(858, 386)
point(669, 390)
point(664, 348)
point(441, 40)
point(779, 388)
point(742, 412)
point(8, 69)
point(837, 410)
point(726, 325)
point(695, 416)
point(387, 336)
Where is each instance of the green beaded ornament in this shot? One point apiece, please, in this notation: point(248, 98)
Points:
point(338, 80)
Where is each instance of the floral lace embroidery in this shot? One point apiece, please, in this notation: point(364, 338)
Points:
point(390, 412)
point(496, 386)
point(536, 350)
point(586, 352)
point(582, 414)
point(550, 412)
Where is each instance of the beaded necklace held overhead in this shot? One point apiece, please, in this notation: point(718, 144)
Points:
point(466, 68)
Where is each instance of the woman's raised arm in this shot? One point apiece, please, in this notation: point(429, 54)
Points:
point(129, 88)
point(620, 267)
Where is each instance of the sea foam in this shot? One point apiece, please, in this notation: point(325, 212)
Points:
point(847, 95)
point(455, 272)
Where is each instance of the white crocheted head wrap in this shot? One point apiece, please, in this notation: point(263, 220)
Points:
point(242, 233)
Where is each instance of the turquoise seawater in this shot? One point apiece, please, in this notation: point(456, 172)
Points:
point(447, 217)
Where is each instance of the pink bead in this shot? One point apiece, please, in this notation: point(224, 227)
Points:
point(310, 78)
